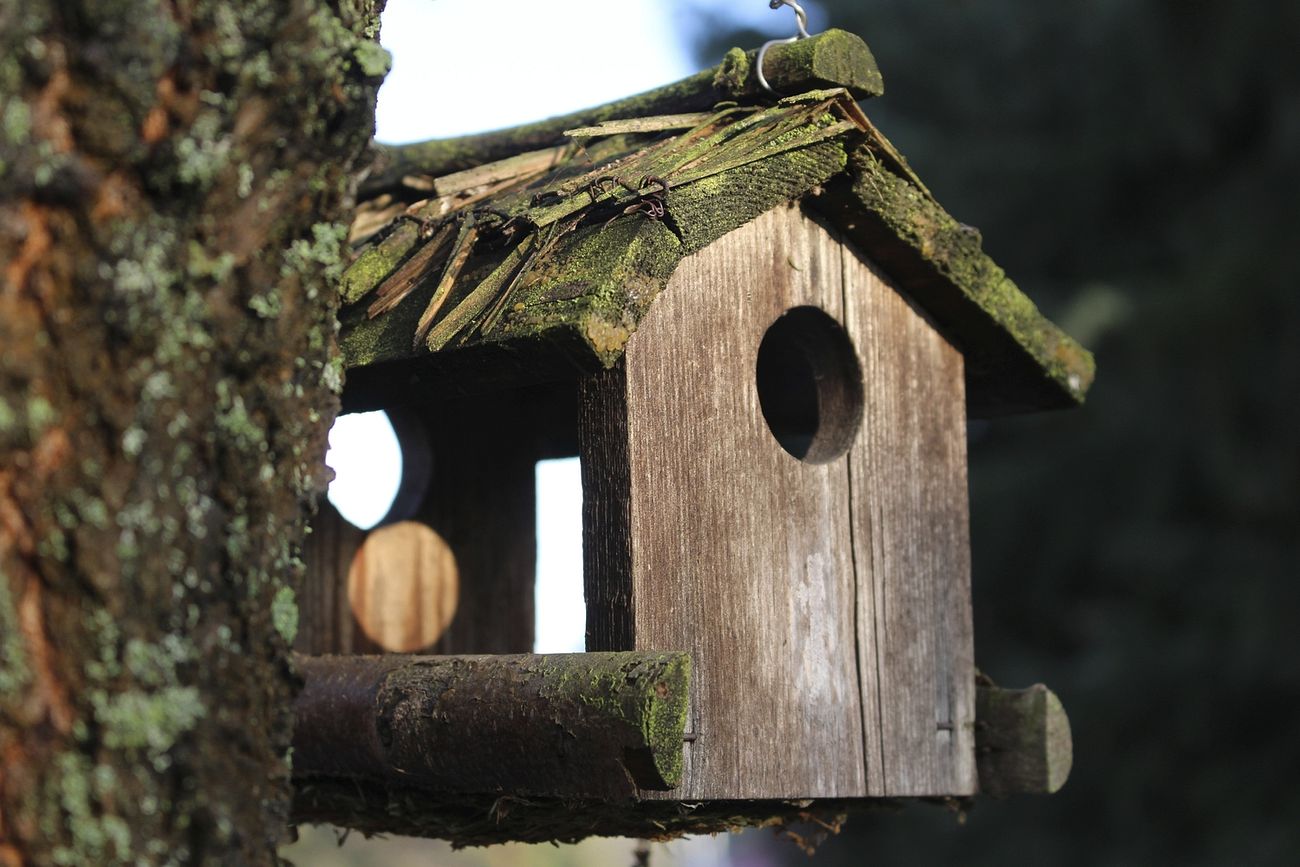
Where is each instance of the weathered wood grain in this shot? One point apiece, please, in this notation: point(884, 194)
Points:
point(1023, 742)
point(911, 543)
point(735, 551)
point(482, 501)
point(606, 511)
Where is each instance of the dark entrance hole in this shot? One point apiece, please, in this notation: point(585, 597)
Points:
point(810, 385)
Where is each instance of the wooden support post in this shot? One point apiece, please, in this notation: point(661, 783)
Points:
point(1022, 741)
point(597, 725)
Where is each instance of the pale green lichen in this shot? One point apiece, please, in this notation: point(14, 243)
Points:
point(16, 122)
point(95, 839)
point(234, 420)
point(151, 721)
point(158, 386)
point(157, 664)
point(40, 415)
point(205, 152)
point(95, 512)
point(372, 59)
point(267, 305)
point(244, 184)
point(332, 375)
point(54, 546)
point(323, 253)
point(14, 673)
point(133, 440)
point(201, 264)
point(284, 614)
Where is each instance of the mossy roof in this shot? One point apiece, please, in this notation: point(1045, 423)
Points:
point(549, 257)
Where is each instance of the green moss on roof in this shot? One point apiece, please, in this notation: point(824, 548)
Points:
point(569, 245)
point(586, 244)
point(378, 261)
point(1017, 359)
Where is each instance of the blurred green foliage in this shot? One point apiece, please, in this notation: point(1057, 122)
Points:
point(1135, 166)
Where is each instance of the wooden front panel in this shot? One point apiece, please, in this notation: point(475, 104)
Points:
point(826, 606)
point(739, 553)
point(911, 545)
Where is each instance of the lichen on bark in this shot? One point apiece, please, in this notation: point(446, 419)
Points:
point(172, 178)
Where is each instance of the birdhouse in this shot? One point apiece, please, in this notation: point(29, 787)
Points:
point(764, 338)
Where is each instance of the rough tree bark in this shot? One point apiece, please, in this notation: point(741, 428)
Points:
point(172, 173)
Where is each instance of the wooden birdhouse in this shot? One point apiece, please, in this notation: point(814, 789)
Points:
point(764, 338)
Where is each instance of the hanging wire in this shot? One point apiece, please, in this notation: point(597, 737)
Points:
point(801, 20)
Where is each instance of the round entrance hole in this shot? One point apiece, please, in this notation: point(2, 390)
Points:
point(810, 385)
point(382, 465)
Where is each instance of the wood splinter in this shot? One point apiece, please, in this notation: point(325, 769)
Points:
point(599, 725)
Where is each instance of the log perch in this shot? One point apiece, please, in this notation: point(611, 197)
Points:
point(469, 787)
point(588, 725)
point(1022, 741)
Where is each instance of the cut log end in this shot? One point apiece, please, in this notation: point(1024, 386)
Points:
point(1023, 742)
point(831, 59)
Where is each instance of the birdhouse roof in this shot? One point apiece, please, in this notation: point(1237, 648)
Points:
point(536, 250)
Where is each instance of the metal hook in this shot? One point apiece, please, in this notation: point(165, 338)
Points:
point(801, 21)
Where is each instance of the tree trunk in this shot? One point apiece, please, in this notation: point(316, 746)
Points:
point(172, 175)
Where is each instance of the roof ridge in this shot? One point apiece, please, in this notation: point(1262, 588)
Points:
point(834, 58)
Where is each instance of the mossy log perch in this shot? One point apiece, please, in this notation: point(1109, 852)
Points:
point(1022, 741)
point(345, 775)
point(583, 725)
point(828, 60)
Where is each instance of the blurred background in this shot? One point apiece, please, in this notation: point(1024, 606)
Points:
point(1135, 167)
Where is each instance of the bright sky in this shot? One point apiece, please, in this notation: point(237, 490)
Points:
point(463, 66)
